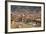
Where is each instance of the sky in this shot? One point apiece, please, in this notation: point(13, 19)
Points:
point(23, 8)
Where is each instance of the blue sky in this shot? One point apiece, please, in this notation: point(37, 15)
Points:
point(15, 7)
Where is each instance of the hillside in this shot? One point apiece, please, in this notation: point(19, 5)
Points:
point(25, 15)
